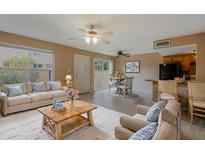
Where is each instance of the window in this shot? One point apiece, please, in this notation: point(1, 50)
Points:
point(22, 64)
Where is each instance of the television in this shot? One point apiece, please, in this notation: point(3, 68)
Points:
point(170, 71)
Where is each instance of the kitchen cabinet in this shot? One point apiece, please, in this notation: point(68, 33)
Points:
point(186, 60)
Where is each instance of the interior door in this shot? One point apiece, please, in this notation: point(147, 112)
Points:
point(82, 73)
point(102, 70)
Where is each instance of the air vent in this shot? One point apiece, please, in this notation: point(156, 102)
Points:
point(162, 44)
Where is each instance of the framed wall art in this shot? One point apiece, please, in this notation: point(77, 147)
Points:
point(132, 67)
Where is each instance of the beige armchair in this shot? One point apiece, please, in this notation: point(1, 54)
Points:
point(196, 92)
point(167, 90)
point(168, 124)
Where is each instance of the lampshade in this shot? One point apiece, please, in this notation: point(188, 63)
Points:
point(68, 77)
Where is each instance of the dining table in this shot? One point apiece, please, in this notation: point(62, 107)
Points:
point(119, 79)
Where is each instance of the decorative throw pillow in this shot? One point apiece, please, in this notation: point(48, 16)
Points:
point(145, 133)
point(153, 113)
point(161, 104)
point(38, 87)
point(55, 85)
point(15, 91)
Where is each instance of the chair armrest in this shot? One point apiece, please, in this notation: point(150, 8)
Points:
point(142, 109)
point(122, 133)
point(132, 123)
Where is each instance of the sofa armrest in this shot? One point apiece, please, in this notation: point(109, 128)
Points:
point(3, 102)
point(64, 87)
point(132, 123)
point(142, 109)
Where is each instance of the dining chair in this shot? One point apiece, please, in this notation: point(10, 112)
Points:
point(127, 87)
point(196, 97)
point(112, 84)
point(167, 89)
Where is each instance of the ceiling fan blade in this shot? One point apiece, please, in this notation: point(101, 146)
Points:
point(82, 30)
point(103, 41)
point(105, 34)
point(126, 54)
point(77, 38)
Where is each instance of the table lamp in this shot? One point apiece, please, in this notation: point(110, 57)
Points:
point(68, 79)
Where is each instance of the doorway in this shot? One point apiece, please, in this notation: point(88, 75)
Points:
point(82, 73)
point(102, 70)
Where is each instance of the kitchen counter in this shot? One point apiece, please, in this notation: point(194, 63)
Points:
point(181, 88)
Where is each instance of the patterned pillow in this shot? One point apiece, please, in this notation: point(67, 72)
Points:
point(55, 85)
point(38, 87)
point(161, 104)
point(145, 133)
point(153, 113)
point(15, 91)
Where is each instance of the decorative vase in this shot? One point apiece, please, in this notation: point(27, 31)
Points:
point(72, 104)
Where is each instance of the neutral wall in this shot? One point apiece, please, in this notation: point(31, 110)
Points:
point(64, 55)
point(149, 69)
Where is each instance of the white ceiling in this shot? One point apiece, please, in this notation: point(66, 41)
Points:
point(136, 32)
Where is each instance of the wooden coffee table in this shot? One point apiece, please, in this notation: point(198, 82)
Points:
point(60, 124)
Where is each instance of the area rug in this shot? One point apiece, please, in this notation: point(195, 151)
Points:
point(112, 92)
point(28, 126)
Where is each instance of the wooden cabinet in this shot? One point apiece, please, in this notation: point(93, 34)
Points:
point(177, 58)
point(167, 59)
point(185, 60)
point(186, 63)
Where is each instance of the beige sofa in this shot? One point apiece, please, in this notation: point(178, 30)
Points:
point(168, 123)
point(29, 99)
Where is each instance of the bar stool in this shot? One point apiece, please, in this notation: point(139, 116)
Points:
point(167, 90)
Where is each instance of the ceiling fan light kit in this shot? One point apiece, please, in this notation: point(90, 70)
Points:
point(93, 37)
point(90, 40)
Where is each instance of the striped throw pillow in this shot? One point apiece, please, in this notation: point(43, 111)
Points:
point(38, 87)
point(145, 133)
point(153, 113)
point(15, 91)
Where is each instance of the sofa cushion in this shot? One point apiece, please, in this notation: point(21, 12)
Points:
point(139, 116)
point(47, 86)
point(154, 111)
point(17, 100)
point(55, 85)
point(145, 133)
point(15, 91)
point(5, 87)
point(165, 131)
point(58, 93)
point(40, 96)
point(29, 87)
point(38, 87)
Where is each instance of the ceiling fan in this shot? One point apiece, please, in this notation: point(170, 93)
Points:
point(92, 36)
point(122, 53)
